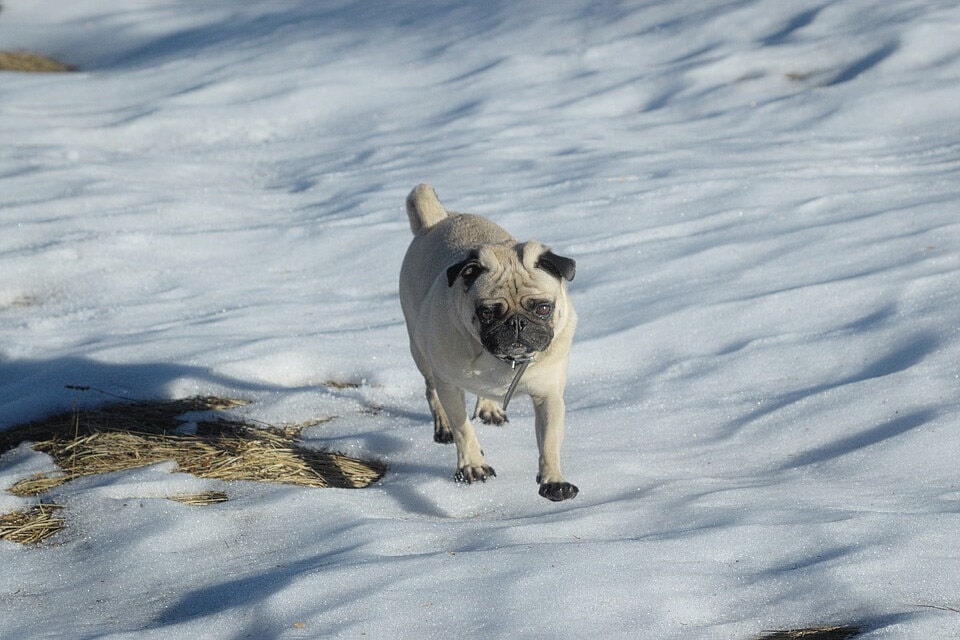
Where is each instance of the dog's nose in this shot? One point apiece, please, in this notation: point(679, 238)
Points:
point(517, 323)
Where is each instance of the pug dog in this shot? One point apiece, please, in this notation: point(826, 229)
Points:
point(488, 315)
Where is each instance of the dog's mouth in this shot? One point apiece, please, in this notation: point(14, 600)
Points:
point(516, 356)
point(515, 339)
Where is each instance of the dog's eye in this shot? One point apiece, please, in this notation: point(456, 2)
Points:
point(486, 314)
point(544, 309)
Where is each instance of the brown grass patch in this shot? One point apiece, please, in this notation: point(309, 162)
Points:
point(798, 76)
point(341, 384)
point(813, 633)
point(31, 63)
point(31, 526)
point(201, 499)
point(127, 435)
point(123, 436)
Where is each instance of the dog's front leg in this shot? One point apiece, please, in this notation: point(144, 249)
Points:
point(471, 466)
point(549, 418)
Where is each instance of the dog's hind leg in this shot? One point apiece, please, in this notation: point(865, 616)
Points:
point(471, 466)
point(441, 425)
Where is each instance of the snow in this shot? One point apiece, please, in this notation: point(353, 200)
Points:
point(762, 408)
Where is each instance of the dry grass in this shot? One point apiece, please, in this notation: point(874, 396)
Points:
point(813, 633)
point(227, 453)
point(128, 435)
point(31, 63)
point(31, 526)
point(200, 499)
point(37, 484)
point(341, 384)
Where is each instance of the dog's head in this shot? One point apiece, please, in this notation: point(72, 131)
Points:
point(513, 298)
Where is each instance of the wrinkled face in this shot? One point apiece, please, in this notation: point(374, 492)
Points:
point(510, 297)
point(515, 332)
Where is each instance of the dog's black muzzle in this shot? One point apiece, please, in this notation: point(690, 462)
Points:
point(516, 338)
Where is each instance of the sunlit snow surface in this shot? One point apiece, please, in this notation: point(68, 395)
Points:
point(763, 199)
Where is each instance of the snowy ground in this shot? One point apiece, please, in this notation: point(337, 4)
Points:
point(762, 199)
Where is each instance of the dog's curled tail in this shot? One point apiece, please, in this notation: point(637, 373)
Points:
point(424, 208)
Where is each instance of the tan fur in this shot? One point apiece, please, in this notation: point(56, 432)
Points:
point(445, 336)
point(423, 208)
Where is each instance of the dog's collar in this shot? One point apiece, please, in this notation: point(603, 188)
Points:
point(524, 363)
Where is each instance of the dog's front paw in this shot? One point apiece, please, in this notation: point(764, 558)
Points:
point(558, 491)
point(442, 435)
point(475, 473)
point(490, 412)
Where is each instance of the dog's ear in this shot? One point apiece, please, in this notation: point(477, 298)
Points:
point(470, 269)
point(557, 266)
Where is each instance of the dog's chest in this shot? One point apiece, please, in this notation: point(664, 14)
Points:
point(485, 376)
